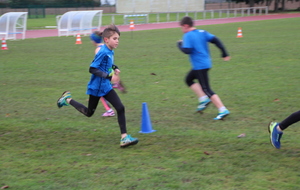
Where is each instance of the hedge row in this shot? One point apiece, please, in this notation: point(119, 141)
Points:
point(49, 3)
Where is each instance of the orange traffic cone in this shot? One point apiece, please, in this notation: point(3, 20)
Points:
point(239, 34)
point(78, 39)
point(4, 46)
point(131, 25)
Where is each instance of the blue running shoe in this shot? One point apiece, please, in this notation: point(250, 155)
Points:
point(127, 141)
point(62, 101)
point(275, 135)
point(222, 115)
point(203, 105)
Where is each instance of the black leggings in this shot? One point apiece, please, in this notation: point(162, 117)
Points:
point(113, 98)
point(202, 77)
point(293, 118)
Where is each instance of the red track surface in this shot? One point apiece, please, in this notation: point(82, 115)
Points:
point(125, 28)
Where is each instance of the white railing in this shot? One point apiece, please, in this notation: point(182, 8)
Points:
point(199, 15)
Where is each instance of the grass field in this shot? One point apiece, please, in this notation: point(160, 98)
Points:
point(117, 19)
point(44, 148)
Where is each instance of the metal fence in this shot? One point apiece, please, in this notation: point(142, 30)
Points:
point(198, 15)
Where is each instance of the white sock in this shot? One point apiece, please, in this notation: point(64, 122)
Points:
point(110, 110)
point(203, 98)
point(222, 109)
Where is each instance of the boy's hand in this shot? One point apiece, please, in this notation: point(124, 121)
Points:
point(117, 71)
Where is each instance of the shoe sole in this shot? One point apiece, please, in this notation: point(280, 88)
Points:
point(201, 112)
point(61, 97)
point(129, 144)
point(108, 115)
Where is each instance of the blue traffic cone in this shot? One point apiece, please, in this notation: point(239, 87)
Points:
point(146, 126)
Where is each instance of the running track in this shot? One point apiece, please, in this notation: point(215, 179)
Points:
point(125, 28)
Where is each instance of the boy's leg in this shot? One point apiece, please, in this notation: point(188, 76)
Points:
point(217, 101)
point(275, 129)
point(87, 111)
point(203, 78)
point(223, 111)
point(197, 89)
point(291, 119)
point(113, 98)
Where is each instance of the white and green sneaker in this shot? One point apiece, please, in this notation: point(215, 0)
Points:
point(127, 141)
point(222, 115)
point(275, 134)
point(62, 101)
point(202, 105)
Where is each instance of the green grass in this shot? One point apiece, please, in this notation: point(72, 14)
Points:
point(43, 147)
point(40, 23)
point(117, 19)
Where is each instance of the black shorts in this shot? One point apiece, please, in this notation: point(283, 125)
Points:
point(202, 77)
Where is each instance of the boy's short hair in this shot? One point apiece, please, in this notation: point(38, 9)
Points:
point(110, 30)
point(187, 20)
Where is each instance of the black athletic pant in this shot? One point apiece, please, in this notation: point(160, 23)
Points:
point(113, 98)
point(293, 118)
point(202, 77)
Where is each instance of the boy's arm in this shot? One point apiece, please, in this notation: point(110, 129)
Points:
point(184, 50)
point(99, 73)
point(219, 44)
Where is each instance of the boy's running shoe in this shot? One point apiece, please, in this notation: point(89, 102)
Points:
point(275, 135)
point(62, 101)
point(221, 115)
point(203, 105)
point(127, 141)
point(109, 114)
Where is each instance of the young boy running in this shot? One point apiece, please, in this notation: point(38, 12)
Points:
point(195, 43)
point(276, 129)
point(101, 69)
point(96, 38)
